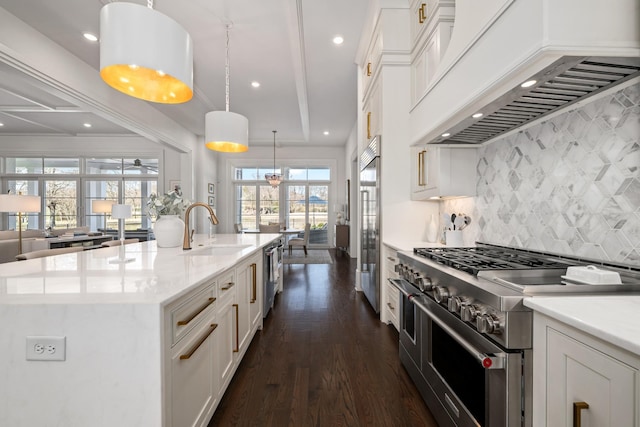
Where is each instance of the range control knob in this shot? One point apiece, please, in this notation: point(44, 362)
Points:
point(440, 294)
point(455, 303)
point(398, 267)
point(488, 324)
point(424, 284)
point(407, 274)
point(469, 312)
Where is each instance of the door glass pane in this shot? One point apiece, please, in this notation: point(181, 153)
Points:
point(318, 213)
point(246, 204)
point(30, 188)
point(136, 194)
point(100, 190)
point(269, 204)
point(61, 204)
point(297, 207)
point(62, 166)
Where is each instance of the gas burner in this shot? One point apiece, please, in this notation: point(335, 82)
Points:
point(475, 259)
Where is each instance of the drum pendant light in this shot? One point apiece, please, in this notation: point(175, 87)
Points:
point(226, 131)
point(145, 54)
point(274, 179)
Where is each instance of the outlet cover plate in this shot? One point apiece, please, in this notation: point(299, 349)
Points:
point(46, 348)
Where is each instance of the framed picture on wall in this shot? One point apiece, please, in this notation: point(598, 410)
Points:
point(212, 188)
point(175, 186)
point(212, 200)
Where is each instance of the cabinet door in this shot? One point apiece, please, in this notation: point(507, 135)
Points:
point(372, 112)
point(194, 388)
point(226, 345)
point(243, 295)
point(576, 373)
point(249, 299)
point(256, 297)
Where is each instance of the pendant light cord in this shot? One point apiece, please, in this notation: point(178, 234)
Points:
point(226, 69)
point(274, 151)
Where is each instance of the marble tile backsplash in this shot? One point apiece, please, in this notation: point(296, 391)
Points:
point(569, 185)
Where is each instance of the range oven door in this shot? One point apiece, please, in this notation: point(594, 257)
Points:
point(476, 382)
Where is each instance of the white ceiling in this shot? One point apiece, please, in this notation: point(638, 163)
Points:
point(308, 84)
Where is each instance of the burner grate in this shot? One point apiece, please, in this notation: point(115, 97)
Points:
point(475, 259)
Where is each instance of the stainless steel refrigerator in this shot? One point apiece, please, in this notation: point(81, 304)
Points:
point(370, 222)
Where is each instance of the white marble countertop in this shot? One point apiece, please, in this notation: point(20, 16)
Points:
point(612, 318)
point(155, 276)
point(408, 245)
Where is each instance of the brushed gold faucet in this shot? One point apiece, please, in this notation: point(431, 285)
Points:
point(186, 245)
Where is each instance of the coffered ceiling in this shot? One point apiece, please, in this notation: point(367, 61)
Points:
point(307, 83)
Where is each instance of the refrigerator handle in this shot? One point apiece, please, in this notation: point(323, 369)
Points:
point(364, 231)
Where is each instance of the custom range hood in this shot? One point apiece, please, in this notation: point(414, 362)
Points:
point(573, 49)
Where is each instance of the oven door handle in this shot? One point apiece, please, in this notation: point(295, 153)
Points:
point(487, 360)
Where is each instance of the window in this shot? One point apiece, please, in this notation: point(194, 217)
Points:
point(68, 186)
point(303, 196)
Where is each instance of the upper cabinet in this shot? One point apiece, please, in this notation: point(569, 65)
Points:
point(441, 172)
point(431, 25)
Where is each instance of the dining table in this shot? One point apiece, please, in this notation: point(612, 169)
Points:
point(288, 232)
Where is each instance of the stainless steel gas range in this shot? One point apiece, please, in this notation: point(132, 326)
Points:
point(465, 335)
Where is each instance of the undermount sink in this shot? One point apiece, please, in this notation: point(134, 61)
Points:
point(214, 249)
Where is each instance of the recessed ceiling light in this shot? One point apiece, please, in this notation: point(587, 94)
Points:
point(529, 83)
point(338, 40)
point(90, 37)
point(446, 134)
point(87, 125)
point(326, 132)
point(255, 84)
point(477, 115)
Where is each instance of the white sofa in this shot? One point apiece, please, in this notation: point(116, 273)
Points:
point(9, 240)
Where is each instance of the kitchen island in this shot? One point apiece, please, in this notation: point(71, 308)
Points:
point(142, 339)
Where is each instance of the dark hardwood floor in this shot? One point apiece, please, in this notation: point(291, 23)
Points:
point(322, 359)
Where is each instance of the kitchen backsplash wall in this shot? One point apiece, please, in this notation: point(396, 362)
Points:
point(569, 185)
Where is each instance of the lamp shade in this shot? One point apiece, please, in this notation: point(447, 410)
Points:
point(121, 211)
point(101, 206)
point(226, 131)
point(19, 203)
point(145, 54)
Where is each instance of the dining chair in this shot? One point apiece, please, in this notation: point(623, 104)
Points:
point(271, 228)
point(48, 252)
point(300, 241)
point(117, 242)
point(238, 228)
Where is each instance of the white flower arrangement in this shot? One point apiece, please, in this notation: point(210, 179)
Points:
point(170, 203)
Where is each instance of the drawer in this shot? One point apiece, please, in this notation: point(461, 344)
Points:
point(195, 308)
point(392, 304)
point(226, 286)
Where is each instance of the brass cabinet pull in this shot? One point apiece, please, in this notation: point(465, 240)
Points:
point(421, 15)
point(254, 295)
point(390, 306)
point(368, 68)
point(577, 410)
point(227, 286)
point(236, 348)
point(195, 313)
point(422, 166)
point(369, 125)
point(212, 328)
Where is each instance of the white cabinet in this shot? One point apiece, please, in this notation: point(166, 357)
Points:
point(372, 111)
point(249, 300)
point(438, 172)
point(431, 24)
point(389, 297)
point(574, 368)
point(226, 341)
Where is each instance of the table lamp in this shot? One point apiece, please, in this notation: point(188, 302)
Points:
point(17, 203)
point(121, 212)
point(102, 207)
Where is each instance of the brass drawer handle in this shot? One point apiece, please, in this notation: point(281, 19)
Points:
point(421, 168)
point(421, 15)
point(369, 125)
point(227, 286)
point(254, 290)
point(577, 411)
point(236, 348)
point(368, 68)
point(195, 313)
point(212, 328)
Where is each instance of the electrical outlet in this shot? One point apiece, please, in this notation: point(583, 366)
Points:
point(46, 348)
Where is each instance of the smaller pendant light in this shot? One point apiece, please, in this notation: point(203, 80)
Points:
point(274, 179)
point(145, 54)
point(226, 131)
